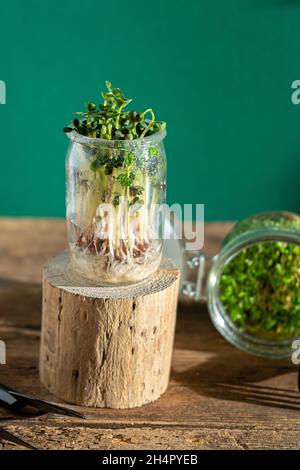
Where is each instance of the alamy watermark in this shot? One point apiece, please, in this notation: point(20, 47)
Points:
point(159, 221)
point(2, 92)
point(296, 353)
point(2, 352)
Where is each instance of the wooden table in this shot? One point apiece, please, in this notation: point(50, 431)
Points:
point(218, 398)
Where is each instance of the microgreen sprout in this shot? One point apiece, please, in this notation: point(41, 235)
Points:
point(111, 121)
point(260, 290)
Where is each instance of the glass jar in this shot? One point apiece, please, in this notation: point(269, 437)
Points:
point(114, 192)
point(269, 241)
point(271, 237)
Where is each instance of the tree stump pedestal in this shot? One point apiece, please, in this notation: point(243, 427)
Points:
point(107, 346)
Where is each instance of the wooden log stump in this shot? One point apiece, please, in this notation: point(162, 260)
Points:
point(107, 346)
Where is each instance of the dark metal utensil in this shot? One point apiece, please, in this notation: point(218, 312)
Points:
point(15, 401)
point(10, 437)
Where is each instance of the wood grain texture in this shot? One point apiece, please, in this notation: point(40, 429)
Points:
point(218, 397)
point(107, 346)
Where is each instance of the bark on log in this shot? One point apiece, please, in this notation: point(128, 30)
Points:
point(107, 346)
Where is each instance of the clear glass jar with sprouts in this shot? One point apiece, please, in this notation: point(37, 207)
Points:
point(253, 287)
point(114, 192)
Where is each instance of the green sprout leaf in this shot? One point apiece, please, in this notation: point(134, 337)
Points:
point(153, 151)
point(126, 180)
point(129, 158)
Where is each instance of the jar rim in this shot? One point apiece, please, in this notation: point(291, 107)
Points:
point(157, 137)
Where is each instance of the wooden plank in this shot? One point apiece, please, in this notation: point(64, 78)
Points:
point(218, 398)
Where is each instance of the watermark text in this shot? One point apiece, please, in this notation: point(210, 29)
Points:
point(2, 352)
point(2, 92)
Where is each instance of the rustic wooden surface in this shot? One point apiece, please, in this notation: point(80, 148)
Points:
point(218, 398)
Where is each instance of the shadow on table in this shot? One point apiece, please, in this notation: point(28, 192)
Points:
point(224, 371)
point(260, 394)
point(243, 391)
point(20, 304)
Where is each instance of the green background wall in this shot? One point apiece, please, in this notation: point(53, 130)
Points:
point(219, 72)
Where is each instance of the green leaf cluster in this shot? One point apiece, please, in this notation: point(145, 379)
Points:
point(110, 121)
point(260, 290)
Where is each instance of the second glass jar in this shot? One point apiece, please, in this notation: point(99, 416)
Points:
point(269, 242)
